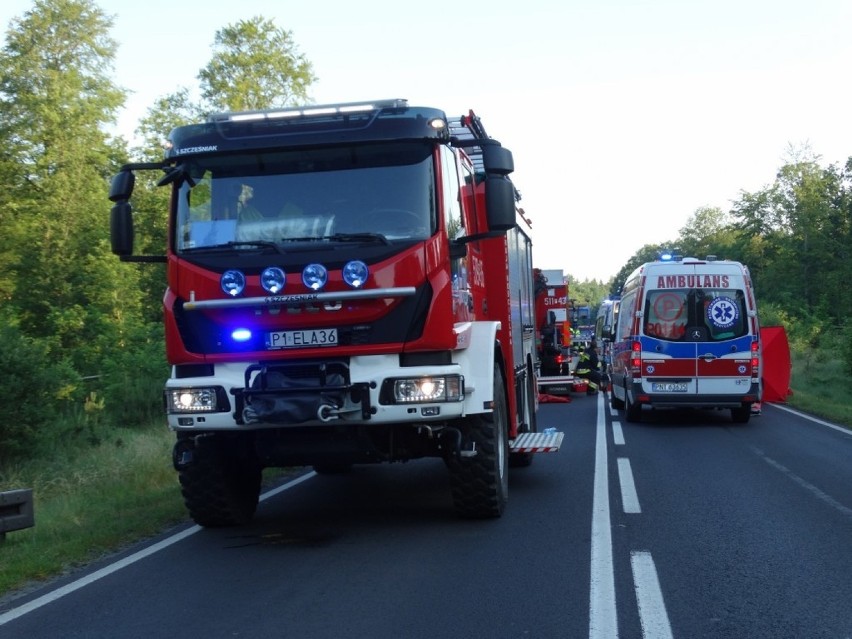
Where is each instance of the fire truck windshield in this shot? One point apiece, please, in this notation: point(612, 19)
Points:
point(378, 192)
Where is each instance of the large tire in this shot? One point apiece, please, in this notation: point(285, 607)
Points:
point(220, 486)
point(480, 484)
point(522, 460)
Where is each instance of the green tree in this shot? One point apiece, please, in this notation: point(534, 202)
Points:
point(76, 308)
point(255, 65)
point(169, 111)
point(709, 231)
point(795, 236)
point(587, 293)
point(56, 100)
point(647, 253)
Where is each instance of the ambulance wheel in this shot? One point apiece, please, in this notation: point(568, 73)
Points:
point(614, 402)
point(480, 484)
point(633, 412)
point(742, 414)
point(220, 486)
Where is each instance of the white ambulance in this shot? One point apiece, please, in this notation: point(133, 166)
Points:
point(687, 335)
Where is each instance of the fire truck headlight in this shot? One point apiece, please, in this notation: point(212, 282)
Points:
point(272, 279)
point(191, 400)
point(315, 276)
point(355, 273)
point(417, 390)
point(232, 282)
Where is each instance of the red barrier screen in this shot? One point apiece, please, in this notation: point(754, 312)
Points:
point(776, 364)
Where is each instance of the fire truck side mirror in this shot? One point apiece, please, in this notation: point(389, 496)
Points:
point(121, 186)
point(121, 229)
point(499, 203)
point(497, 159)
point(458, 250)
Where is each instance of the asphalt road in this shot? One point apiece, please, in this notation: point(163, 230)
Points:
point(685, 525)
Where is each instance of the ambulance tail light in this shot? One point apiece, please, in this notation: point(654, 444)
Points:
point(755, 360)
point(636, 360)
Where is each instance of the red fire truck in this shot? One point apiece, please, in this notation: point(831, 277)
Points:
point(553, 326)
point(346, 284)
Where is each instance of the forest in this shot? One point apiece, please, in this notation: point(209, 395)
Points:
point(81, 346)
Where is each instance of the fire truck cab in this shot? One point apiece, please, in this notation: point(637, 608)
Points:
point(687, 335)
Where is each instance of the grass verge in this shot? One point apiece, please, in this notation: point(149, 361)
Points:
point(94, 501)
point(821, 387)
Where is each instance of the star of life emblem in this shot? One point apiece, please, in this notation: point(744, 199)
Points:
point(723, 312)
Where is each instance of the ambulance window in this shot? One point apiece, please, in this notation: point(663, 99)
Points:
point(666, 314)
point(625, 320)
point(723, 312)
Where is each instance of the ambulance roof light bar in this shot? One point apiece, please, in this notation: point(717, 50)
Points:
point(669, 256)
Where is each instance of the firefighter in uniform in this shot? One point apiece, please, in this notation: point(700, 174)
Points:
point(588, 367)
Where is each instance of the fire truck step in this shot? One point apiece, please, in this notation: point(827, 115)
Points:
point(536, 443)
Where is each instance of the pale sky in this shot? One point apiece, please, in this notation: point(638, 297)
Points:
point(624, 116)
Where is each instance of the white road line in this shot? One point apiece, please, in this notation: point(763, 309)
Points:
point(629, 498)
point(123, 563)
point(617, 434)
point(816, 420)
point(828, 499)
point(603, 620)
point(649, 597)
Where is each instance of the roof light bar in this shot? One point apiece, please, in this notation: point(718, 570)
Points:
point(310, 110)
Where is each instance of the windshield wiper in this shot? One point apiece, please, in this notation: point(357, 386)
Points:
point(235, 244)
point(341, 237)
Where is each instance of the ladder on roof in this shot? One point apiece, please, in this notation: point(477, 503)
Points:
point(467, 129)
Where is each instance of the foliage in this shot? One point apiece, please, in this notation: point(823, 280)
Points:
point(845, 346)
point(167, 112)
point(587, 293)
point(647, 253)
point(255, 65)
point(82, 340)
point(36, 386)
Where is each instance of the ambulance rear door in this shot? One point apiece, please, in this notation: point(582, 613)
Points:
point(669, 360)
point(724, 354)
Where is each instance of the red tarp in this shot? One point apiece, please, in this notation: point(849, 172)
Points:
point(543, 398)
point(776, 364)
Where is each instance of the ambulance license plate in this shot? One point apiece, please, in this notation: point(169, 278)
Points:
point(669, 387)
point(277, 340)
